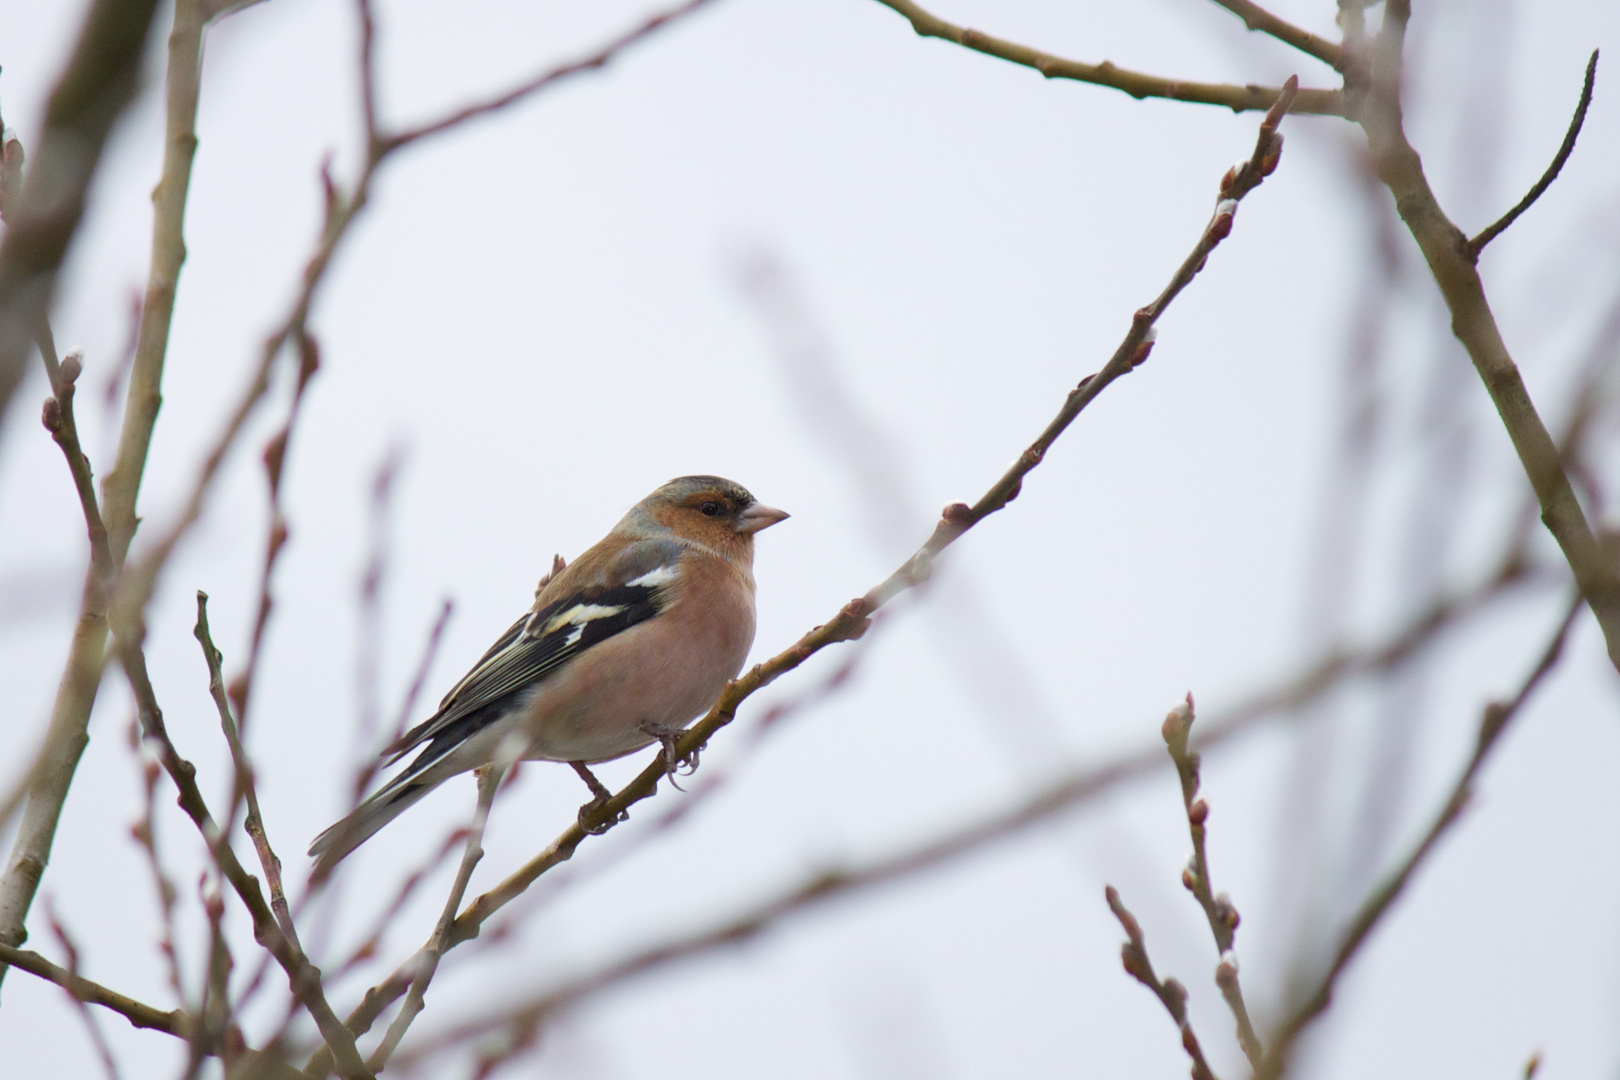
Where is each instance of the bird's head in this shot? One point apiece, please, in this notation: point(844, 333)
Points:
point(715, 512)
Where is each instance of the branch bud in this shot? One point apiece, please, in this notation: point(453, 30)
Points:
point(1198, 812)
point(1268, 164)
point(51, 415)
point(72, 367)
point(1221, 226)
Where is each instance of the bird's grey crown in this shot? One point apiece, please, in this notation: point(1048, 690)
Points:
point(682, 486)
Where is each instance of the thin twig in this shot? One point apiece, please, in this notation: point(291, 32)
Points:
point(1491, 232)
point(97, 1039)
point(1133, 954)
point(1237, 98)
point(302, 976)
point(489, 781)
point(1258, 18)
point(1495, 719)
point(141, 1015)
point(245, 789)
point(535, 84)
point(1472, 322)
point(1219, 910)
point(275, 457)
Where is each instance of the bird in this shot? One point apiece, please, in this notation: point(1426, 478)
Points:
point(622, 648)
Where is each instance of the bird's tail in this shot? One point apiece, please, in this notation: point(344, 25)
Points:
point(391, 800)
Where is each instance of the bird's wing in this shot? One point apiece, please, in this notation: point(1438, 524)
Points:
point(626, 589)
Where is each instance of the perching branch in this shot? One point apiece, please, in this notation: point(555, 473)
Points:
point(1133, 954)
point(1500, 226)
point(1493, 722)
point(851, 621)
point(1248, 98)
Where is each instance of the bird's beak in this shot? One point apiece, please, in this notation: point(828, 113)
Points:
point(759, 516)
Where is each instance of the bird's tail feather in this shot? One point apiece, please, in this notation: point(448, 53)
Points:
point(384, 806)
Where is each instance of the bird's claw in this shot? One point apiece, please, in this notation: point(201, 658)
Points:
point(590, 810)
point(674, 762)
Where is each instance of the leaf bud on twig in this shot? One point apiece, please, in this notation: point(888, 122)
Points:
point(51, 415)
point(1144, 347)
point(1198, 812)
point(72, 367)
point(1268, 164)
point(1220, 227)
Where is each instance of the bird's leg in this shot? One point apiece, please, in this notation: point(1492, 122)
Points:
point(599, 798)
point(668, 734)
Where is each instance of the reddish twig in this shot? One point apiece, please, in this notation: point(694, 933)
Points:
point(1133, 954)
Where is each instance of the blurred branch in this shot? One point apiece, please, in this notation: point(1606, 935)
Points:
point(275, 457)
point(1495, 720)
point(1218, 909)
point(1258, 18)
point(172, 1022)
point(1491, 232)
point(1450, 261)
point(92, 1027)
point(302, 976)
point(852, 620)
point(1136, 84)
point(100, 79)
point(489, 780)
point(1133, 954)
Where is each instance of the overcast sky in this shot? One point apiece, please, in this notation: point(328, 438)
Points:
point(544, 315)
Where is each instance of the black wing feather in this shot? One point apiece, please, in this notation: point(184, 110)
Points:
point(528, 652)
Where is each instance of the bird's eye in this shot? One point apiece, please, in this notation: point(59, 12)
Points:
point(710, 508)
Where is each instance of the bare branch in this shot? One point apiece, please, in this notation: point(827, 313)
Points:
point(1447, 252)
point(302, 976)
point(534, 85)
point(1133, 954)
point(1258, 18)
point(1237, 98)
point(1221, 914)
point(172, 1022)
point(1491, 232)
point(100, 78)
point(98, 1040)
point(1493, 722)
point(427, 962)
point(99, 81)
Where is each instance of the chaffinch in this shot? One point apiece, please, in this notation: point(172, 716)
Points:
point(622, 648)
